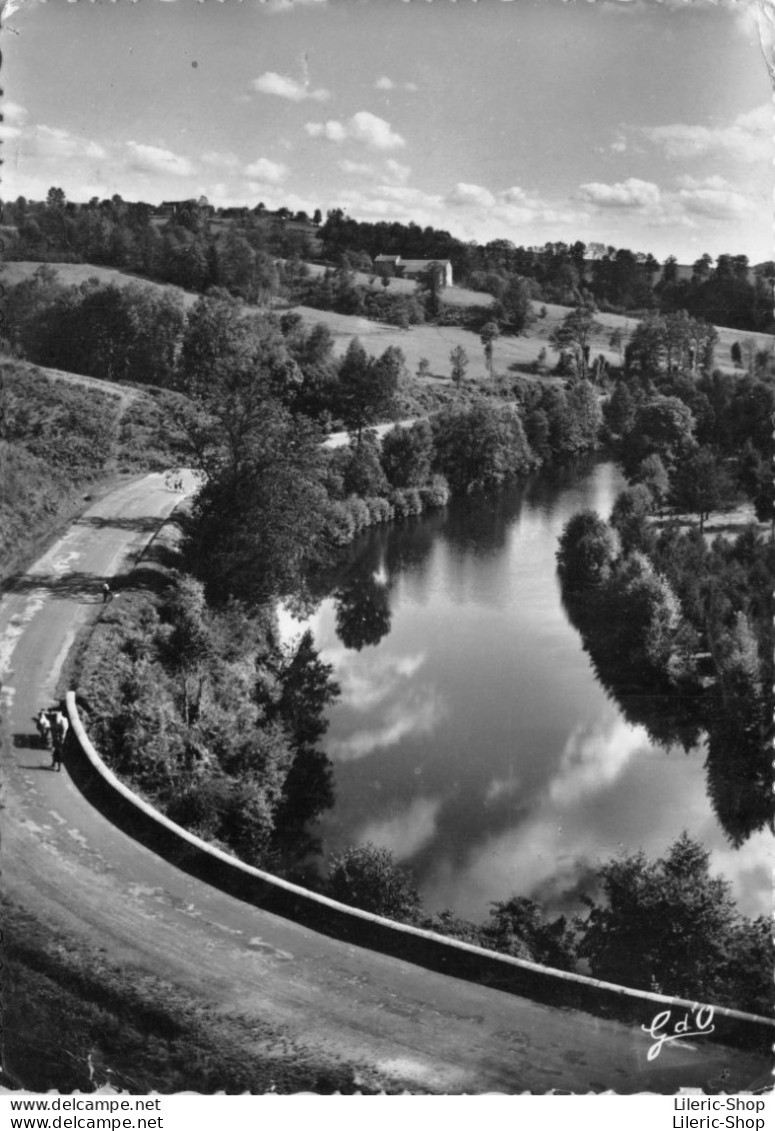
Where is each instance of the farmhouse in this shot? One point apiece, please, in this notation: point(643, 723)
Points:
point(394, 265)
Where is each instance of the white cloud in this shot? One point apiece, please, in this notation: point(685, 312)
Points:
point(333, 131)
point(290, 5)
point(714, 182)
point(266, 172)
point(228, 162)
point(385, 83)
point(7, 133)
point(284, 87)
point(407, 832)
point(153, 159)
point(12, 111)
point(718, 204)
point(367, 684)
point(464, 194)
point(363, 127)
point(405, 718)
point(593, 759)
point(515, 195)
point(747, 138)
point(52, 142)
point(632, 193)
point(359, 168)
point(397, 173)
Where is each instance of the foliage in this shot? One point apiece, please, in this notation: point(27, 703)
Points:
point(586, 552)
point(368, 877)
point(260, 516)
point(700, 485)
point(480, 446)
point(517, 926)
point(662, 426)
point(629, 517)
point(488, 335)
point(407, 454)
point(459, 361)
point(120, 333)
point(574, 334)
point(367, 386)
point(670, 926)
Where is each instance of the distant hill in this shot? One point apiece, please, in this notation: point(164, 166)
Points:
point(432, 342)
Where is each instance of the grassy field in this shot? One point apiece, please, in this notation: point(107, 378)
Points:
point(75, 1019)
point(453, 296)
point(431, 342)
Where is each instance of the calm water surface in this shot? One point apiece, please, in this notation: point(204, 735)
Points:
point(473, 739)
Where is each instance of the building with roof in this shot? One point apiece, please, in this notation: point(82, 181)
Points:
point(395, 266)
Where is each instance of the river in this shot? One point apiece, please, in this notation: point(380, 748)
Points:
point(472, 738)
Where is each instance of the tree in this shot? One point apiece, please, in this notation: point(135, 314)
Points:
point(481, 445)
point(575, 334)
point(430, 283)
point(629, 517)
point(487, 336)
point(423, 367)
point(619, 410)
point(459, 361)
point(700, 484)
point(586, 552)
point(663, 426)
point(407, 453)
point(517, 926)
point(369, 877)
point(260, 516)
point(670, 926)
point(651, 473)
point(616, 342)
point(368, 386)
point(514, 307)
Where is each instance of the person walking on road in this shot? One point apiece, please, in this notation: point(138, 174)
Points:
point(59, 729)
point(107, 593)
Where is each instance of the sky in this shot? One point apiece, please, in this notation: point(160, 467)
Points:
point(645, 124)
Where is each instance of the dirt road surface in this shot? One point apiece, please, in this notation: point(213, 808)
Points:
point(403, 1026)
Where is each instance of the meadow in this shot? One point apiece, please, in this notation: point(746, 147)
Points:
point(435, 343)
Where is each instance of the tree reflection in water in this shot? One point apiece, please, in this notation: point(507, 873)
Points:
point(362, 609)
point(738, 763)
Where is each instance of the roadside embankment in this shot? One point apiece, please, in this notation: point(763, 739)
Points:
point(448, 956)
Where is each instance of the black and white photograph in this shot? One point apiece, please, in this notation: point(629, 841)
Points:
point(387, 550)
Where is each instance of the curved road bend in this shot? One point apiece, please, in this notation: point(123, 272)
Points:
point(403, 1026)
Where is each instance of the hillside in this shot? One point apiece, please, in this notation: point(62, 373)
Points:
point(432, 342)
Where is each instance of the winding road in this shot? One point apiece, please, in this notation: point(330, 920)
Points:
point(403, 1026)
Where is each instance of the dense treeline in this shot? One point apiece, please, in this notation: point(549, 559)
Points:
point(680, 627)
point(255, 256)
point(185, 249)
point(666, 926)
point(203, 712)
point(257, 393)
point(617, 278)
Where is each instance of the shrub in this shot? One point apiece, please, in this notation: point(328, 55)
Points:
point(436, 493)
point(340, 525)
point(359, 512)
point(380, 510)
point(587, 550)
point(406, 501)
point(368, 877)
